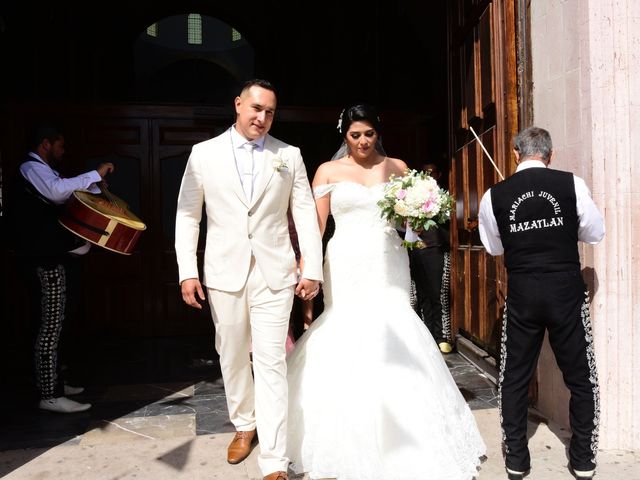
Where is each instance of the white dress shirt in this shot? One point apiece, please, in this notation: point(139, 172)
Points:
point(57, 189)
point(590, 222)
point(52, 186)
point(247, 170)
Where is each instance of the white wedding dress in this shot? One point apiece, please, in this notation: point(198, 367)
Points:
point(370, 396)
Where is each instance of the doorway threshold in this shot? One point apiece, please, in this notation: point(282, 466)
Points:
point(478, 357)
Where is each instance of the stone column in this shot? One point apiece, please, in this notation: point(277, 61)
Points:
point(586, 75)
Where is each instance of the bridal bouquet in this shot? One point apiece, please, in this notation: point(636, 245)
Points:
point(416, 202)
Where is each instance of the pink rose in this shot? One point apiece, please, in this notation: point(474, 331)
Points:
point(401, 194)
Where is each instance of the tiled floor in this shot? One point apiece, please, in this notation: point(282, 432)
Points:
point(159, 413)
point(156, 388)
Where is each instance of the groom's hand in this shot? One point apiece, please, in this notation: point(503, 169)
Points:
point(307, 289)
point(189, 288)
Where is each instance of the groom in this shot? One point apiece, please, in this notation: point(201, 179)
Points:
point(247, 180)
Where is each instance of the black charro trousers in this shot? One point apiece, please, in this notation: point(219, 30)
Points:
point(53, 282)
point(427, 269)
point(558, 303)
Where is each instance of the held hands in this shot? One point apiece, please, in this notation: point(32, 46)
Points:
point(189, 288)
point(307, 289)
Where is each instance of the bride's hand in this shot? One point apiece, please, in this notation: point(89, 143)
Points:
point(307, 289)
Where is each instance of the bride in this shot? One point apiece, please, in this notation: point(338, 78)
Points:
point(370, 397)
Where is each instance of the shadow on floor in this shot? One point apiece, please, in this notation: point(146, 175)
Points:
point(149, 387)
point(122, 379)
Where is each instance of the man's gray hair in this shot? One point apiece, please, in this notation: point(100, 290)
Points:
point(533, 142)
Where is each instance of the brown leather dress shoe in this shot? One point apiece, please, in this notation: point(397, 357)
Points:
point(277, 476)
point(240, 446)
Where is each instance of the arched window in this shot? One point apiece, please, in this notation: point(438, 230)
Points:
point(152, 30)
point(191, 58)
point(194, 29)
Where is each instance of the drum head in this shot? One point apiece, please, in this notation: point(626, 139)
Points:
point(116, 210)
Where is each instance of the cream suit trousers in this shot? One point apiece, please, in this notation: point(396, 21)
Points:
point(255, 318)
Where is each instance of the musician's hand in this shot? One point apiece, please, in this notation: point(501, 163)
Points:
point(189, 288)
point(105, 168)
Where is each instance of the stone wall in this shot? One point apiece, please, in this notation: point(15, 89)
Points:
point(586, 71)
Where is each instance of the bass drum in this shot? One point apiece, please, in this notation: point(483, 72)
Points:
point(103, 221)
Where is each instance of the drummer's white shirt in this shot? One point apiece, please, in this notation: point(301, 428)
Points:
point(52, 186)
point(57, 189)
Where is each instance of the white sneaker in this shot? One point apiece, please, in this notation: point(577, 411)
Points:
point(69, 390)
point(63, 405)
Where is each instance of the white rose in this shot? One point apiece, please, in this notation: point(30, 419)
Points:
point(401, 208)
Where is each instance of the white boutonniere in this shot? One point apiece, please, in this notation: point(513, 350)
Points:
point(280, 165)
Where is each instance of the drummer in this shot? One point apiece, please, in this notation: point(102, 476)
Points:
point(49, 255)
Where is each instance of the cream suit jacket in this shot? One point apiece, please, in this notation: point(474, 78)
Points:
point(237, 228)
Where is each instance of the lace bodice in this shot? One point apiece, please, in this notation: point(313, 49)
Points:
point(355, 206)
point(363, 242)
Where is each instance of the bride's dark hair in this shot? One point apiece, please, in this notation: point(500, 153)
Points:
point(358, 113)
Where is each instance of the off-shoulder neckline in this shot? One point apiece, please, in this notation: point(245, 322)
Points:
point(350, 181)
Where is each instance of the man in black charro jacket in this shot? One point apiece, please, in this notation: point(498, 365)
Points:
point(47, 253)
point(536, 218)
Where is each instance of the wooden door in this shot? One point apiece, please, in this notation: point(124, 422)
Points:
point(115, 288)
point(171, 141)
point(482, 97)
point(132, 296)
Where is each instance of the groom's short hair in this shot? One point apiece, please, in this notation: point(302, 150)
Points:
point(257, 82)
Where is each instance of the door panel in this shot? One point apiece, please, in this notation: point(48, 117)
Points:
point(172, 140)
point(480, 91)
point(470, 72)
point(115, 296)
point(487, 97)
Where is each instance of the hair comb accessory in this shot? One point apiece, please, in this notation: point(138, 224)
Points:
point(339, 126)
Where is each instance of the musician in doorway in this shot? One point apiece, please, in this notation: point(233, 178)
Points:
point(49, 255)
point(430, 264)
